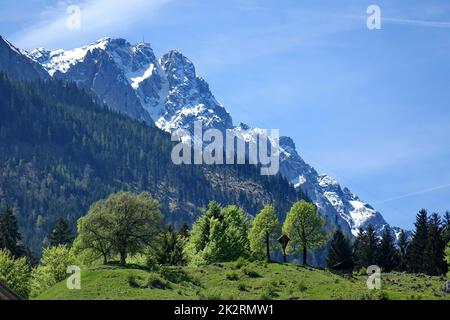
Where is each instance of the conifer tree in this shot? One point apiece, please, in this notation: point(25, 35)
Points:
point(170, 250)
point(434, 252)
point(62, 233)
point(10, 236)
point(366, 247)
point(419, 243)
point(446, 227)
point(403, 244)
point(340, 252)
point(387, 253)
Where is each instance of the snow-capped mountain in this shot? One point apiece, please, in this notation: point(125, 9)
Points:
point(168, 92)
point(128, 78)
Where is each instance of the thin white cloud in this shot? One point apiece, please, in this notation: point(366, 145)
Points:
point(98, 18)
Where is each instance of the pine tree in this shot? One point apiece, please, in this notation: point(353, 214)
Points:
point(419, 242)
point(403, 244)
point(434, 252)
point(387, 253)
point(446, 227)
point(170, 250)
point(340, 255)
point(10, 236)
point(366, 247)
point(62, 233)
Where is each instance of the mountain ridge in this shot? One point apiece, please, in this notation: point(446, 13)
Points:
point(169, 93)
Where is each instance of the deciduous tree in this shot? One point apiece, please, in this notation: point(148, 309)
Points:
point(15, 273)
point(304, 226)
point(124, 222)
point(264, 231)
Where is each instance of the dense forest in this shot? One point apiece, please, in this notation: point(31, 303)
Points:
point(60, 152)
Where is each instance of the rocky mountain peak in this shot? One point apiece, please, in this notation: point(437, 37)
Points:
point(178, 67)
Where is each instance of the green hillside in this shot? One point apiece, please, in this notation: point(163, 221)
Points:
point(242, 280)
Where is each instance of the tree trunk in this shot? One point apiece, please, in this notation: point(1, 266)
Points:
point(123, 256)
point(304, 255)
point(268, 247)
point(105, 258)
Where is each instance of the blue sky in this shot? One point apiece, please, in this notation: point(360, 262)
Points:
point(369, 107)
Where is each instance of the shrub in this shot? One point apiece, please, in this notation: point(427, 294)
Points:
point(15, 273)
point(138, 260)
point(132, 281)
point(302, 286)
point(250, 273)
point(211, 294)
point(151, 262)
point(156, 282)
point(268, 292)
point(242, 286)
point(177, 276)
point(52, 270)
point(240, 262)
point(232, 276)
point(361, 272)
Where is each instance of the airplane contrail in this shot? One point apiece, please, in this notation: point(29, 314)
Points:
point(412, 22)
point(420, 23)
point(415, 193)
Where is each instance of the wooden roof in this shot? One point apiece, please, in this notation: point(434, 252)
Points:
point(7, 294)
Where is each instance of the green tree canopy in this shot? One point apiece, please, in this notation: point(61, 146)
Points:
point(304, 226)
point(52, 269)
point(264, 232)
point(15, 273)
point(219, 234)
point(125, 223)
point(94, 237)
